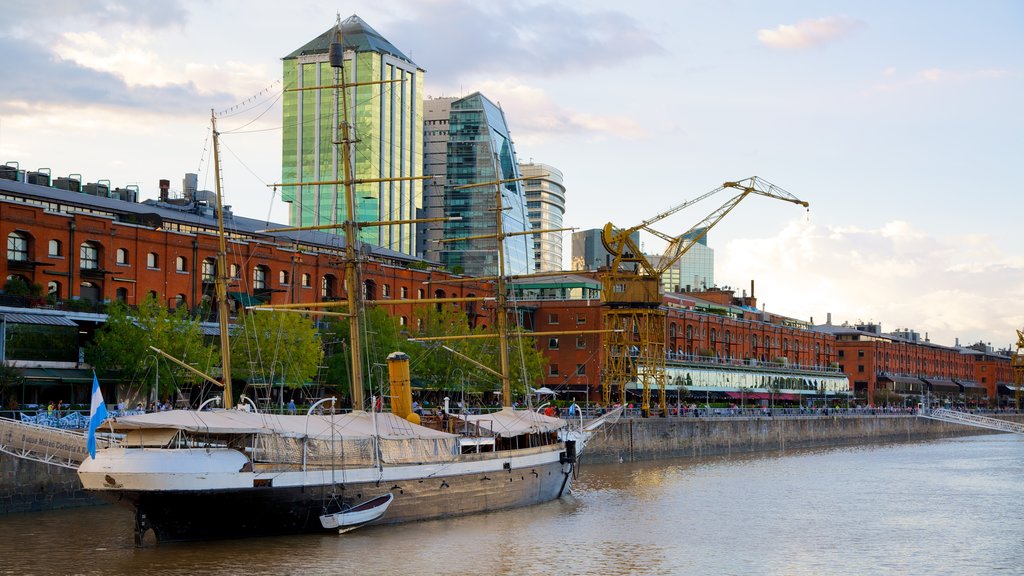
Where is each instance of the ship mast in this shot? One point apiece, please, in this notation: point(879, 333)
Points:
point(502, 297)
point(353, 284)
point(222, 273)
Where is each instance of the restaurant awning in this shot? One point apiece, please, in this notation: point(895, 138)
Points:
point(904, 383)
point(943, 386)
point(38, 319)
point(245, 299)
point(49, 376)
point(972, 388)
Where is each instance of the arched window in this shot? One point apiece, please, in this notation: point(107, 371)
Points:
point(329, 286)
point(713, 335)
point(179, 301)
point(17, 247)
point(88, 256)
point(122, 295)
point(369, 290)
point(689, 332)
point(121, 257)
point(55, 249)
point(209, 270)
point(385, 290)
point(259, 277)
point(672, 330)
point(152, 260)
point(282, 277)
point(181, 264)
point(152, 294)
point(89, 291)
point(306, 280)
point(53, 289)
point(234, 271)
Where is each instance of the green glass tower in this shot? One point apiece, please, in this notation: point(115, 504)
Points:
point(387, 125)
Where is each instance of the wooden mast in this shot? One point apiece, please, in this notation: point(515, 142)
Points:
point(222, 274)
point(353, 285)
point(506, 381)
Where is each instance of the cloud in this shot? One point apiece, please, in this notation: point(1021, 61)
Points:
point(809, 33)
point(936, 76)
point(457, 38)
point(535, 117)
point(948, 286)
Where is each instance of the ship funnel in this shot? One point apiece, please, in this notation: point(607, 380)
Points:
point(401, 387)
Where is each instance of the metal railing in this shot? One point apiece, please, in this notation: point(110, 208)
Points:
point(970, 419)
point(42, 443)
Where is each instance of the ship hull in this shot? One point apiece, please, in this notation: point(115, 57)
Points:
point(261, 503)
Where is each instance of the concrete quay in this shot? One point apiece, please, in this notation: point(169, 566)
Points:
point(634, 439)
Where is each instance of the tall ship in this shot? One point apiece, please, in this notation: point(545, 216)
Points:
point(228, 472)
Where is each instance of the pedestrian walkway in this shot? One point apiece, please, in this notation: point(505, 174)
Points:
point(975, 420)
point(42, 443)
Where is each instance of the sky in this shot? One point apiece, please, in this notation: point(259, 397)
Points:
point(899, 122)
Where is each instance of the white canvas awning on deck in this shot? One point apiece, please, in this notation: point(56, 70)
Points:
point(509, 422)
point(350, 425)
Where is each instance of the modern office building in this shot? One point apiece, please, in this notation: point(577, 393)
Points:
point(588, 253)
point(545, 206)
point(386, 116)
point(435, 163)
point(480, 152)
point(695, 271)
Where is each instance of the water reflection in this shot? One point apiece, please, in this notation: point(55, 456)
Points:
point(925, 508)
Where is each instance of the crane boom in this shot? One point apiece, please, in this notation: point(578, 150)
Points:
point(681, 244)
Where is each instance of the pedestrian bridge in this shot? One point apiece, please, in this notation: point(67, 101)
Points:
point(975, 420)
point(44, 444)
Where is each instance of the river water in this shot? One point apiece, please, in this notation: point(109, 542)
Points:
point(941, 507)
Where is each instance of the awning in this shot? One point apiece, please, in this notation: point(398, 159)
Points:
point(972, 388)
point(36, 376)
point(1006, 389)
point(245, 299)
point(904, 383)
point(941, 385)
point(39, 319)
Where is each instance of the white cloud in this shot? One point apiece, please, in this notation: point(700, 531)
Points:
point(949, 287)
point(808, 33)
point(535, 117)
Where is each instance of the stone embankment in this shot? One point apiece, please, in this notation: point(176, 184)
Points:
point(632, 439)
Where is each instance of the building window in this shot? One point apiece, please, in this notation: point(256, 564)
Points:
point(152, 260)
point(209, 270)
point(860, 353)
point(842, 353)
point(402, 321)
point(282, 278)
point(234, 272)
point(17, 247)
point(53, 289)
point(55, 249)
point(405, 292)
point(860, 368)
point(385, 290)
point(552, 343)
point(121, 257)
point(581, 342)
point(122, 295)
point(581, 369)
point(180, 264)
point(328, 287)
point(552, 318)
point(581, 319)
point(259, 278)
point(552, 369)
point(179, 301)
point(306, 280)
point(419, 294)
point(88, 256)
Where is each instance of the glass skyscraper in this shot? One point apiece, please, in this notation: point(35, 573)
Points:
point(545, 206)
point(386, 122)
point(480, 150)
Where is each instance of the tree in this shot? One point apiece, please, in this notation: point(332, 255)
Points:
point(10, 381)
point(122, 345)
point(277, 344)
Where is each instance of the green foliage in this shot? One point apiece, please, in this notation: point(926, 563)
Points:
point(122, 344)
point(276, 343)
point(10, 381)
point(16, 286)
point(433, 367)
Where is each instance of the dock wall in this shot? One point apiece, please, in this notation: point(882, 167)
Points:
point(30, 486)
point(634, 439)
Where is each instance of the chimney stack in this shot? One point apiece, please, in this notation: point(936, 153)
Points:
point(752, 289)
point(828, 319)
point(165, 189)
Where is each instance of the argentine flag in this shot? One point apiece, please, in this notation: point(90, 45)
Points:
point(97, 414)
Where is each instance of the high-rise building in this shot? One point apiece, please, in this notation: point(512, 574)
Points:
point(435, 163)
point(545, 206)
point(386, 122)
point(480, 150)
point(695, 271)
point(588, 253)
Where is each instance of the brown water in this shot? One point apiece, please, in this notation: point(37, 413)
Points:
point(943, 507)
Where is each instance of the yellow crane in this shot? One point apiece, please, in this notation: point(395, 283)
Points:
point(631, 294)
